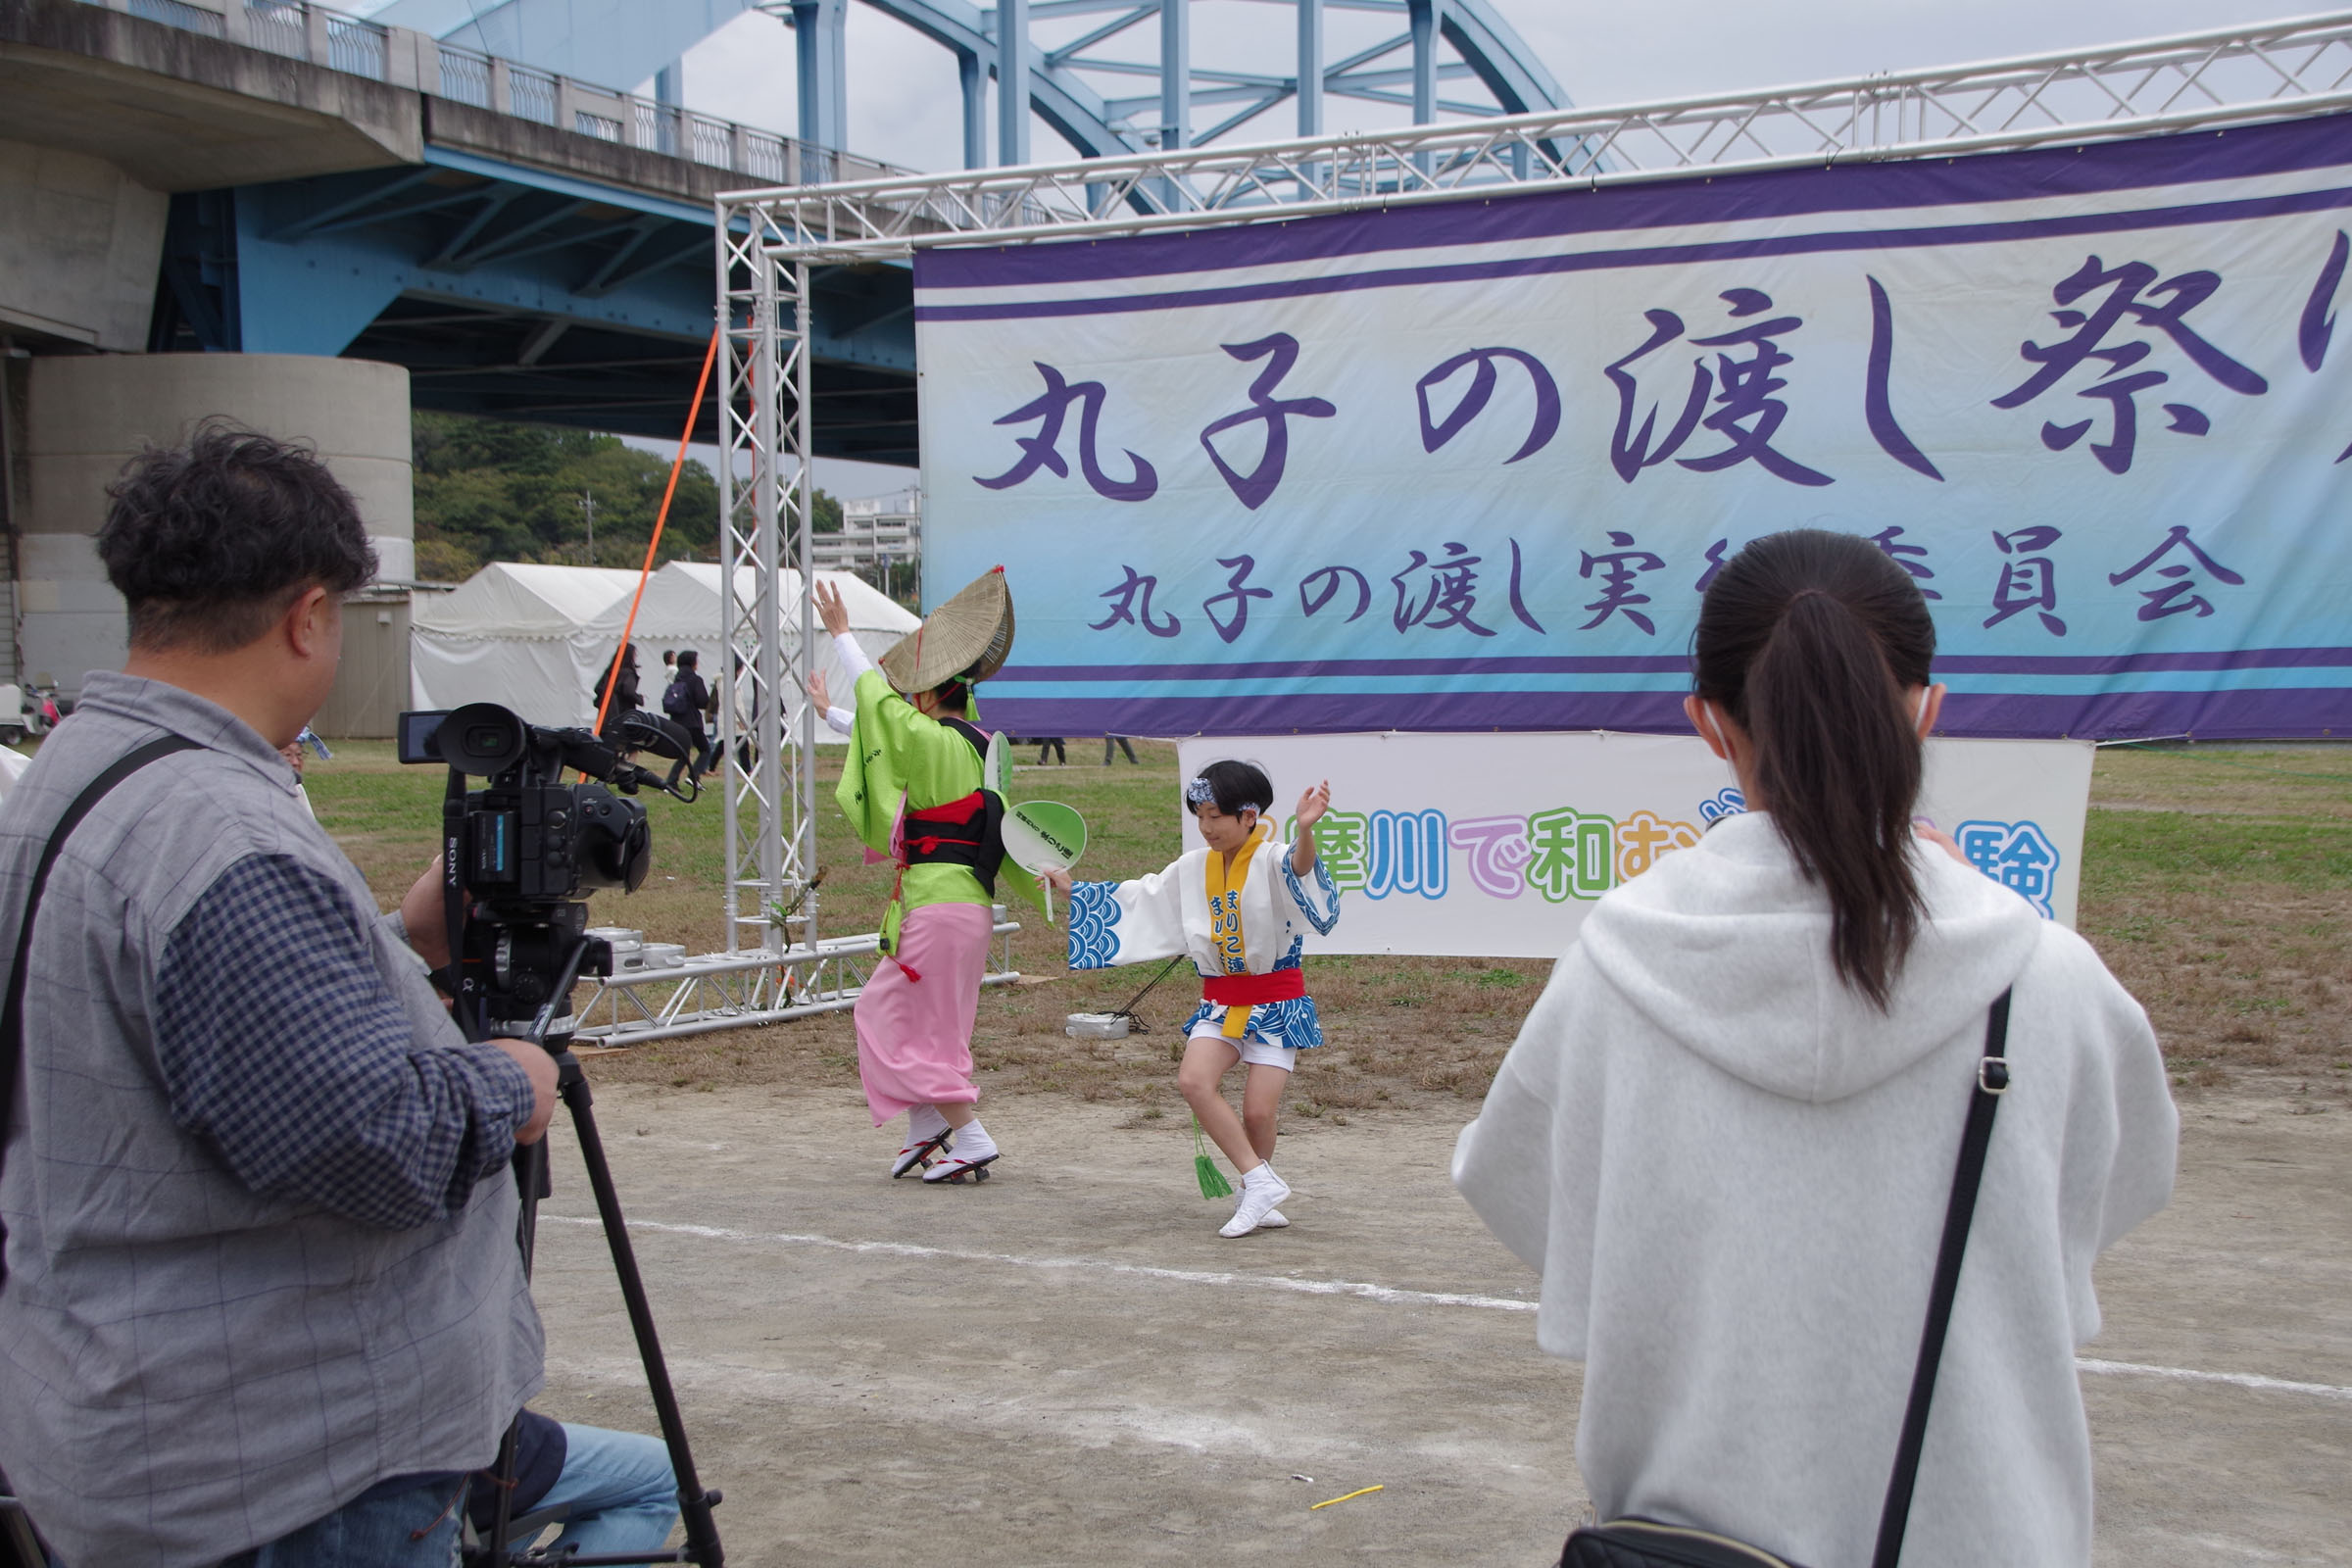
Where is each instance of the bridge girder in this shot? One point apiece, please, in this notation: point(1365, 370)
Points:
point(516, 293)
point(612, 40)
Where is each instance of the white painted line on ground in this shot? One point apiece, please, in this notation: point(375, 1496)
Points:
point(1386, 1294)
point(2181, 1374)
point(1183, 1276)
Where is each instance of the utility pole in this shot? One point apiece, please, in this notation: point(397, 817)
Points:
point(588, 507)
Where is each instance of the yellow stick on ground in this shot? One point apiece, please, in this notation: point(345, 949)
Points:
point(1328, 1501)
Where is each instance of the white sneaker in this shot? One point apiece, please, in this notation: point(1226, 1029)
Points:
point(1258, 1200)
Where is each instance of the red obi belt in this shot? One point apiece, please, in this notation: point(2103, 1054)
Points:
point(952, 832)
point(1251, 990)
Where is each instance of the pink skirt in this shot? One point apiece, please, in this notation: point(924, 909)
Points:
point(914, 1037)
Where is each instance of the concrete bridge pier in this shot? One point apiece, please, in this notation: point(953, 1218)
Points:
point(85, 416)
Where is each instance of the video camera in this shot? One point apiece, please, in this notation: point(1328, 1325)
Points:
point(521, 853)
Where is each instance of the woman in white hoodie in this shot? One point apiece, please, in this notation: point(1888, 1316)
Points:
point(1727, 1132)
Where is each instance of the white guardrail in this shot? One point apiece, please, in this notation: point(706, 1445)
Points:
point(402, 57)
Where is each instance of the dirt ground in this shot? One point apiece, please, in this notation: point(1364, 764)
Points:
point(1068, 1365)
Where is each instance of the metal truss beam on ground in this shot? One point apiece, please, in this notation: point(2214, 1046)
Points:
point(2191, 82)
point(735, 991)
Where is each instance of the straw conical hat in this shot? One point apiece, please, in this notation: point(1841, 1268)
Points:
point(967, 638)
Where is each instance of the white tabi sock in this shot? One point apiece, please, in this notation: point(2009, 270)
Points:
point(972, 1142)
point(1261, 1191)
point(923, 1123)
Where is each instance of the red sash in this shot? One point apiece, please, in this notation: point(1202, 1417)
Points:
point(1249, 990)
point(955, 813)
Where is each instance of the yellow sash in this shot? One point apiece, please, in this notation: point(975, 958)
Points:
point(1225, 918)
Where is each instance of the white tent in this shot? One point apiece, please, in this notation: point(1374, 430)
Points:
point(538, 638)
point(515, 634)
point(681, 610)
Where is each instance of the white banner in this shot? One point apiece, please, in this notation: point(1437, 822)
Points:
point(1496, 845)
point(1470, 466)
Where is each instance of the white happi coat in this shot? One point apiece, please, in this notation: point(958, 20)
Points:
point(1166, 912)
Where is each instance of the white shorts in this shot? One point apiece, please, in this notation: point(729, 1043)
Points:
point(1255, 1052)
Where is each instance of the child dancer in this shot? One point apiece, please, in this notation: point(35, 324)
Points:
point(1241, 908)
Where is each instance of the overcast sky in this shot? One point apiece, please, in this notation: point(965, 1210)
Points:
point(904, 107)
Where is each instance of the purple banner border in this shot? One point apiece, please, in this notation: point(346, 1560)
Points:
point(1671, 665)
point(2142, 163)
point(1936, 236)
point(2271, 714)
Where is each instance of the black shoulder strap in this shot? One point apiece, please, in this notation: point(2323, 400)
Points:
point(970, 732)
point(12, 1015)
point(1992, 1079)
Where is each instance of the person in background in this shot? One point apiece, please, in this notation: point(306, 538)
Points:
point(1051, 742)
point(686, 701)
point(1120, 741)
point(293, 751)
point(612, 1492)
point(627, 696)
point(1727, 1133)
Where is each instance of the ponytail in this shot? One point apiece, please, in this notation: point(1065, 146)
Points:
point(1809, 641)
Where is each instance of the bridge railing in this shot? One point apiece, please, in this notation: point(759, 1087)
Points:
point(402, 57)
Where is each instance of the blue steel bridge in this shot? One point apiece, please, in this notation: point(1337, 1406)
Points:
point(465, 193)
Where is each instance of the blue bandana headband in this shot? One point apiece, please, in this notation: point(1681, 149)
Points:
point(1198, 793)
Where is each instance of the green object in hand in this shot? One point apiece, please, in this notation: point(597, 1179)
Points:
point(1212, 1180)
point(1044, 833)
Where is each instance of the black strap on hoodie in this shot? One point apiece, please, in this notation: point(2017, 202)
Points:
point(1992, 1079)
point(12, 1015)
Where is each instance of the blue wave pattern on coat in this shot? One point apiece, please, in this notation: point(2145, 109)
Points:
point(1312, 907)
point(1094, 911)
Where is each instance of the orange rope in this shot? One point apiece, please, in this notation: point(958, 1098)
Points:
point(677, 463)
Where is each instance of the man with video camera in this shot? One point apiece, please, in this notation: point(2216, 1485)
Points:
point(261, 1298)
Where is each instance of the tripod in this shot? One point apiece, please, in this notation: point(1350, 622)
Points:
point(595, 956)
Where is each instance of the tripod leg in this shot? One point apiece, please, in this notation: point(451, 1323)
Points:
point(530, 1179)
point(694, 1503)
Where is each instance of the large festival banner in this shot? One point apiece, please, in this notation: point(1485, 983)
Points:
point(1498, 844)
point(1468, 466)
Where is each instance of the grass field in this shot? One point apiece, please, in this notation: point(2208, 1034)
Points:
point(2217, 884)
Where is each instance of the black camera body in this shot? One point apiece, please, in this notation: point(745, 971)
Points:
point(528, 837)
point(521, 853)
point(531, 843)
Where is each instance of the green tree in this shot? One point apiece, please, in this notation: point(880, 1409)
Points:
point(493, 490)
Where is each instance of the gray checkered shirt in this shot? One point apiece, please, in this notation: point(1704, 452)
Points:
point(261, 1253)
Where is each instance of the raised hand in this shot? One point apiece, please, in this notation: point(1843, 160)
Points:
point(819, 694)
point(830, 610)
point(1312, 805)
